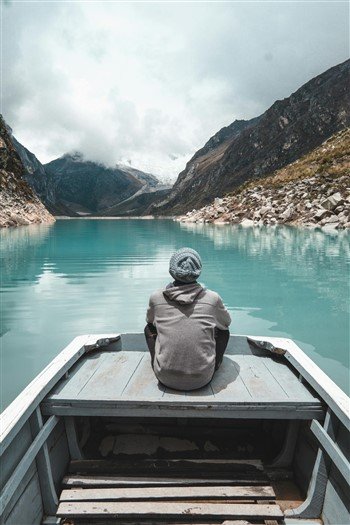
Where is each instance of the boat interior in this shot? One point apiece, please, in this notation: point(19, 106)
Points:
point(118, 447)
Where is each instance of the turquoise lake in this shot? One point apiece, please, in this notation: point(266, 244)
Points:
point(86, 276)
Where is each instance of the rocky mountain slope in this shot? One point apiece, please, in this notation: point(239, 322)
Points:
point(253, 149)
point(38, 179)
point(35, 174)
point(139, 203)
point(19, 204)
point(313, 191)
point(85, 187)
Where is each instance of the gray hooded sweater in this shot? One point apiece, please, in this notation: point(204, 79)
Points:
point(185, 318)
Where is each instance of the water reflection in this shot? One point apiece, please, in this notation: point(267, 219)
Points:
point(19, 248)
point(96, 276)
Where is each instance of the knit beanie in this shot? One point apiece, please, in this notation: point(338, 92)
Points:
point(185, 265)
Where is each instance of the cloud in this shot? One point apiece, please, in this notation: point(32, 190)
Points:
point(149, 83)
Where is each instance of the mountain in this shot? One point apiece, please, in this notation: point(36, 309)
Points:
point(86, 187)
point(38, 180)
point(34, 173)
point(252, 149)
point(72, 186)
point(313, 191)
point(138, 203)
point(19, 204)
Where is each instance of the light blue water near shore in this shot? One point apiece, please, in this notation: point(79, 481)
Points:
point(86, 276)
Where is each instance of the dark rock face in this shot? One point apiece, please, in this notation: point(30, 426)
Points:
point(253, 149)
point(19, 205)
point(35, 174)
point(85, 187)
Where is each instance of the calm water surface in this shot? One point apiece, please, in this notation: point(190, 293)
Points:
point(86, 276)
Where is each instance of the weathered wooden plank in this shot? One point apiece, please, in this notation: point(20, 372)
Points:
point(43, 463)
point(313, 504)
point(111, 377)
point(246, 468)
point(59, 453)
point(28, 507)
point(78, 376)
point(286, 454)
point(336, 508)
point(291, 521)
point(176, 404)
point(259, 381)
point(130, 481)
point(335, 398)
point(160, 509)
point(26, 461)
point(332, 450)
point(287, 379)
point(14, 453)
point(143, 383)
point(227, 383)
point(170, 521)
point(21, 490)
point(156, 493)
point(72, 438)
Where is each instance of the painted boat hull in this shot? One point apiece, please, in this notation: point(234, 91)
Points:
point(37, 446)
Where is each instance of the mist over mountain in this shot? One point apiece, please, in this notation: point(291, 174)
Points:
point(73, 186)
point(85, 187)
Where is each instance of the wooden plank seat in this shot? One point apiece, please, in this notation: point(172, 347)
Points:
point(166, 509)
point(101, 521)
point(169, 521)
point(242, 471)
point(176, 493)
point(249, 384)
point(74, 481)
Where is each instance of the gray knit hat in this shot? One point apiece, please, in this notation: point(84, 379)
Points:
point(185, 265)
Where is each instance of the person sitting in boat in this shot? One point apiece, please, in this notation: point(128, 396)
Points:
point(187, 326)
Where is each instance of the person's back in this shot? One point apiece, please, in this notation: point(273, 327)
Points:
point(186, 319)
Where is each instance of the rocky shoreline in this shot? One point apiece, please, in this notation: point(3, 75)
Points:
point(310, 202)
point(15, 211)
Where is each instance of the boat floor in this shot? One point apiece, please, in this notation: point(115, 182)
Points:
point(251, 383)
point(206, 492)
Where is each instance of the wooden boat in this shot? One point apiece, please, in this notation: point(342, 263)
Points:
point(94, 439)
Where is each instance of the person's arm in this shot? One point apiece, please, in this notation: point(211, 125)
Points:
point(150, 312)
point(150, 330)
point(222, 334)
point(223, 318)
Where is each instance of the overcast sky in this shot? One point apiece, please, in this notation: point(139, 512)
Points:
point(149, 83)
